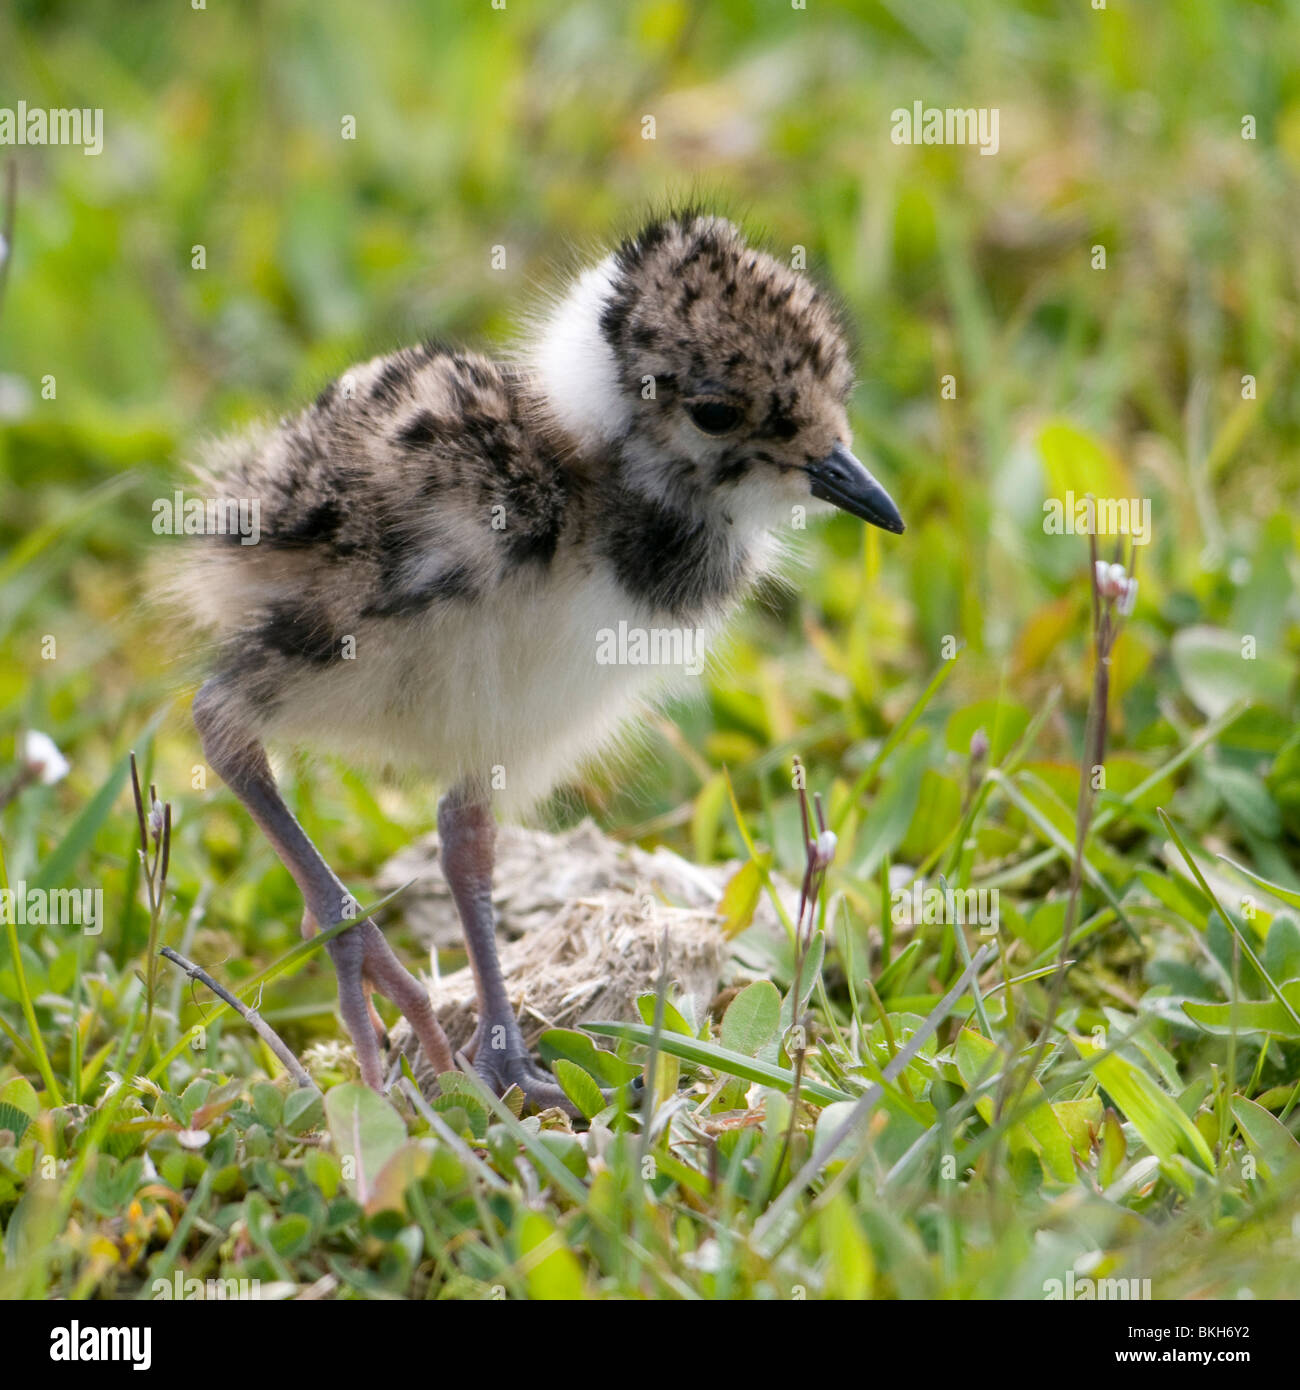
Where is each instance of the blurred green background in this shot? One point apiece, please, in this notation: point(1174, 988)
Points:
point(523, 127)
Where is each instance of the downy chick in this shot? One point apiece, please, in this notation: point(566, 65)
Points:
point(445, 538)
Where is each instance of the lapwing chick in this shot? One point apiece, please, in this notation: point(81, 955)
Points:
point(446, 543)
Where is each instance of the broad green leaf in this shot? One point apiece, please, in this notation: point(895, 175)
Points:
point(579, 1086)
point(1003, 722)
point(464, 1113)
point(529, 1138)
point(808, 973)
point(194, 1095)
point(1114, 1149)
point(1076, 462)
point(1178, 894)
point(667, 1073)
point(673, 1020)
point(457, 1083)
point(323, 1172)
point(290, 1235)
point(978, 1058)
point(1282, 949)
point(268, 1103)
point(740, 896)
point(304, 1110)
point(752, 1017)
point(1214, 671)
point(1247, 798)
point(938, 810)
point(578, 1047)
point(1268, 1139)
point(1284, 781)
point(21, 1095)
point(706, 817)
point(565, 1147)
point(1148, 1047)
point(1249, 1015)
point(366, 1130)
point(13, 1119)
point(1246, 945)
point(407, 1164)
point(850, 1271)
point(1044, 925)
point(1287, 895)
point(551, 1270)
point(1155, 1115)
point(1081, 1120)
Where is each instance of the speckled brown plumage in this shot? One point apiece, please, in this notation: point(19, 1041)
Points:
point(431, 479)
point(446, 541)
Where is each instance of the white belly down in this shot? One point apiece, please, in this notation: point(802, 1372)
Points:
point(514, 689)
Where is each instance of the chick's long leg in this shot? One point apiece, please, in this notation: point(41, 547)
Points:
point(309, 928)
point(361, 956)
point(467, 832)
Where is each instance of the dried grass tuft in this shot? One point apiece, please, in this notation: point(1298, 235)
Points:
point(581, 918)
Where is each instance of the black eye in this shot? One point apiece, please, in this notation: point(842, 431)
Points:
point(714, 417)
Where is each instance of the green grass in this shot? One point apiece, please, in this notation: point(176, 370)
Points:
point(1159, 1137)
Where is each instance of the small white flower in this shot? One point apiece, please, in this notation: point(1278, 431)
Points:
point(15, 397)
point(280, 1289)
point(901, 876)
point(824, 852)
point(155, 819)
point(40, 752)
point(1113, 583)
point(708, 1259)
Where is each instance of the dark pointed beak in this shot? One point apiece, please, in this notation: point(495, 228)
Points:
point(841, 479)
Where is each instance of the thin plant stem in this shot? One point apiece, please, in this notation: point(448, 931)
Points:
point(250, 1016)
